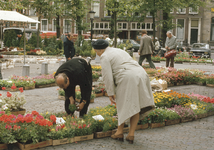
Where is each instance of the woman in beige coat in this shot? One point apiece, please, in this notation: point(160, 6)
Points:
point(126, 79)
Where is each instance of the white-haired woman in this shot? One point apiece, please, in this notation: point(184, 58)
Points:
point(126, 79)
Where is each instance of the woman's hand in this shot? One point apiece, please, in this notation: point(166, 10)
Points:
point(80, 106)
point(112, 99)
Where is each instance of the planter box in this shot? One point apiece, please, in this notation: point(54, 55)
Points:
point(126, 130)
point(22, 112)
point(170, 85)
point(187, 83)
point(186, 120)
point(62, 141)
point(11, 90)
point(29, 87)
point(200, 83)
point(210, 85)
point(114, 131)
point(172, 122)
point(202, 116)
point(92, 101)
point(99, 94)
point(45, 85)
point(99, 135)
point(178, 84)
point(83, 138)
point(142, 126)
point(61, 97)
point(210, 113)
point(178, 62)
point(3, 146)
point(157, 125)
point(34, 146)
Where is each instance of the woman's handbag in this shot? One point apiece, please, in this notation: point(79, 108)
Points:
point(169, 54)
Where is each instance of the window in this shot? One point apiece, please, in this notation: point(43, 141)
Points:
point(148, 26)
point(180, 29)
point(212, 30)
point(138, 25)
point(32, 12)
point(124, 25)
point(181, 11)
point(96, 8)
point(193, 10)
point(101, 25)
point(133, 26)
point(97, 25)
point(143, 26)
point(33, 24)
point(44, 25)
point(149, 14)
point(54, 25)
point(119, 26)
point(67, 26)
point(172, 10)
point(194, 23)
point(106, 26)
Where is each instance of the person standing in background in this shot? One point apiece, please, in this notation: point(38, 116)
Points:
point(170, 45)
point(69, 49)
point(146, 49)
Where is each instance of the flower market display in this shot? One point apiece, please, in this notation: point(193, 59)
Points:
point(96, 75)
point(44, 81)
point(96, 68)
point(18, 81)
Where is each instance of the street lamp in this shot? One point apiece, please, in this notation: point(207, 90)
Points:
point(91, 18)
point(1, 23)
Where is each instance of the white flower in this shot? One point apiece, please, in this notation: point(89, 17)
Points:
point(4, 107)
point(9, 81)
point(1, 101)
point(193, 106)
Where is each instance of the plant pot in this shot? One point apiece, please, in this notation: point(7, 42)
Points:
point(34, 146)
point(99, 94)
point(199, 116)
point(62, 141)
point(61, 97)
point(22, 112)
point(157, 125)
point(83, 138)
point(210, 85)
point(172, 122)
point(186, 119)
point(92, 101)
point(3, 146)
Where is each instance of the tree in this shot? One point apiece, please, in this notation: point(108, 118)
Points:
point(10, 5)
point(42, 8)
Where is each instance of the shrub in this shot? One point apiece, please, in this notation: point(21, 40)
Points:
point(10, 38)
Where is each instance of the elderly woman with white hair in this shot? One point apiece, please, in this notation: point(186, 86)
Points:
point(170, 45)
point(126, 79)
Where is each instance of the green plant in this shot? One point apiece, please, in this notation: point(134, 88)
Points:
point(210, 79)
point(170, 114)
point(156, 116)
point(10, 38)
point(72, 107)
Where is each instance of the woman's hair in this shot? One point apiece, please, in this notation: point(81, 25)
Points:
point(65, 77)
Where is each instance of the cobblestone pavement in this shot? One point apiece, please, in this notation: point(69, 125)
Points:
point(198, 135)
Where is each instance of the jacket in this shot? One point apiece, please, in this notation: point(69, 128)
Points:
point(69, 49)
point(146, 45)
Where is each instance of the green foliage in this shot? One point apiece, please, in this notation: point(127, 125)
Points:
point(84, 50)
point(10, 38)
point(72, 107)
point(156, 116)
point(33, 41)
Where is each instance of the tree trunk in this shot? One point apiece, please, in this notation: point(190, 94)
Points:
point(165, 27)
point(57, 27)
point(111, 32)
point(153, 17)
point(39, 19)
point(78, 23)
point(115, 29)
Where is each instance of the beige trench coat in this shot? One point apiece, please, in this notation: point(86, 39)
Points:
point(126, 79)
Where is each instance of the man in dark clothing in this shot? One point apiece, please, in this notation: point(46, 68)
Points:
point(69, 49)
point(77, 71)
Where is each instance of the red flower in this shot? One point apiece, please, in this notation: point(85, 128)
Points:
point(80, 127)
point(84, 125)
point(35, 113)
point(21, 89)
point(0, 94)
point(9, 94)
point(3, 88)
point(34, 81)
point(53, 118)
point(13, 87)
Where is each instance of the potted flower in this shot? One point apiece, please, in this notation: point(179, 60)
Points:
point(156, 59)
point(13, 102)
point(210, 81)
point(142, 124)
point(156, 118)
point(172, 117)
point(44, 81)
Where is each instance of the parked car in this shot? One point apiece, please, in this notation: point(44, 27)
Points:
point(201, 50)
point(135, 46)
point(180, 47)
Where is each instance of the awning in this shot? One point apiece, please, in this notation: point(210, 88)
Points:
point(15, 16)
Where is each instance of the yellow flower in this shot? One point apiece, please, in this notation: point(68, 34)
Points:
point(46, 112)
point(64, 118)
point(53, 130)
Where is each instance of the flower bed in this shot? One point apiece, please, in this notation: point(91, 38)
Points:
point(96, 75)
point(96, 68)
point(17, 81)
point(44, 81)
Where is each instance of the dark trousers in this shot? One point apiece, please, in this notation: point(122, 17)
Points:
point(171, 60)
point(148, 57)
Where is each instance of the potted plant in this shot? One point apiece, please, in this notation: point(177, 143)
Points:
point(156, 118)
point(172, 117)
point(210, 81)
point(13, 102)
